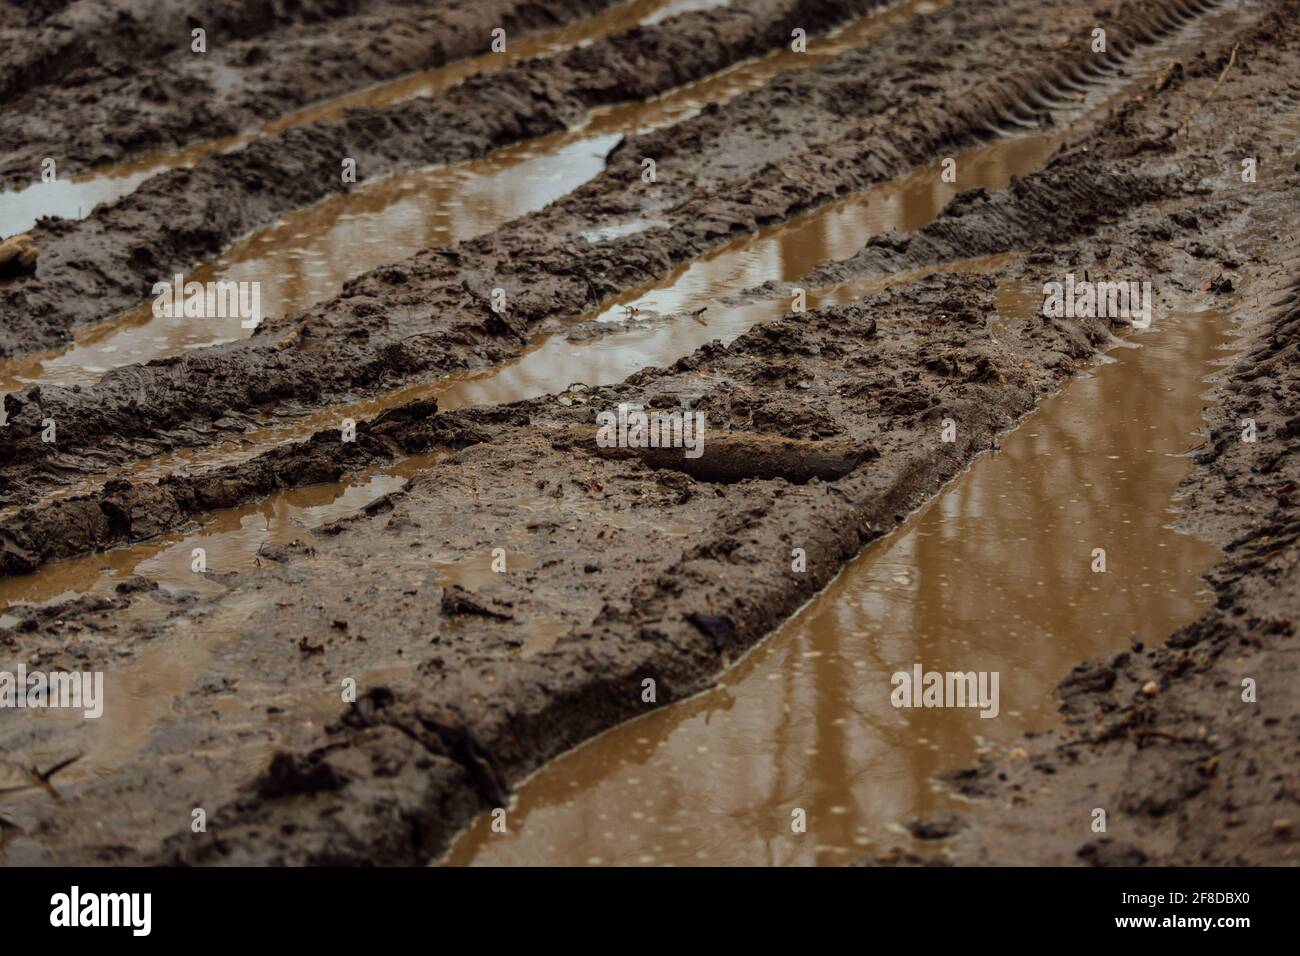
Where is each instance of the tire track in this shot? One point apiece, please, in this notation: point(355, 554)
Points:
point(94, 268)
point(401, 762)
point(356, 353)
point(356, 232)
point(77, 196)
point(152, 92)
point(128, 510)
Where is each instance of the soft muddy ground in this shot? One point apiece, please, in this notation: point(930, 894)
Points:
point(623, 572)
point(159, 229)
point(125, 77)
point(433, 313)
point(488, 587)
point(1188, 744)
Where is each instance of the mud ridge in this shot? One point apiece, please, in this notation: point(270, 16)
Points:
point(93, 268)
point(124, 77)
point(1071, 197)
point(362, 343)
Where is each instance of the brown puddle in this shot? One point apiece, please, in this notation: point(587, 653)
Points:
point(230, 541)
point(782, 253)
point(308, 256)
point(993, 575)
point(75, 197)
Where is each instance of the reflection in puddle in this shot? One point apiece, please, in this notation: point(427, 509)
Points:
point(803, 721)
point(781, 253)
point(993, 575)
point(230, 541)
point(74, 198)
point(312, 252)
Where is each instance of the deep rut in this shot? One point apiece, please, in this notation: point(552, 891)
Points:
point(526, 663)
point(362, 347)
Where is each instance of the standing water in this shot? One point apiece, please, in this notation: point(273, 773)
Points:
point(835, 657)
point(75, 197)
point(995, 574)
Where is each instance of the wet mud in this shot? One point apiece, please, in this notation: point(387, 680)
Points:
point(618, 610)
point(126, 79)
point(440, 318)
point(312, 252)
point(122, 249)
point(125, 508)
point(73, 197)
point(498, 587)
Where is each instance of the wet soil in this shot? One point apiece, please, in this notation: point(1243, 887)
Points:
point(122, 249)
point(125, 509)
point(432, 314)
point(312, 252)
point(994, 572)
point(125, 79)
point(505, 594)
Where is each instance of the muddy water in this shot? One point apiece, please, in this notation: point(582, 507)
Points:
point(994, 575)
point(622, 345)
point(308, 256)
point(74, 198)
point(232, 538)
point(230, 541)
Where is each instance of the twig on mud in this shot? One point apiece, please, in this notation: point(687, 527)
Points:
point(1217, 83)
point(41, 780)
point(45, 777)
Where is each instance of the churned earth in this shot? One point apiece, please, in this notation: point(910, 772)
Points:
point(128, 78)
point(433, 314)
point(354, 579)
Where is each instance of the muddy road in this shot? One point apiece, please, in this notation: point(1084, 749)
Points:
point(386, 572)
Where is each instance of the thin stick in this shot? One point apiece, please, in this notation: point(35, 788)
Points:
point(1218, 83)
